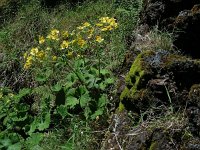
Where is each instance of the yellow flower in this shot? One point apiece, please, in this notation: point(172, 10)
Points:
point(90, 33)
point(41, 39)
point(81, 42)
point(65, 44)
point(99, 24)
point(86, 24)
point(48, 48)
point(109, 28)
point(70, 54)
point(72, 33)
point(65, 34)
point(34, 51)
point(104, 19)
point(54, 58)
point(80, 27)
point(99, 39)
point(54, 35)
point(28, 62)
point(104, 29)
point(113, 23)
point(25, 55)
point(41, 54)
point(55, 32)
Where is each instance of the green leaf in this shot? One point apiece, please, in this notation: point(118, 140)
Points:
point(72, 101)
point(41, 78)
point(102, 101)
point(68, 85)
point(56, 87)
point(46, 123)
point(84, 100)
point(34, 139)
point(82, 89)
point(104, 72)
point(33, 126)
point(20, 117)
point(97, 113)
point(102, 86)
point(2, 115)
point(71, 92)
point(23, 92)
point(80, 75)
point(16, 146)
point(6, 142)
point(62, 110)
point(87, 112)
point(109, 80)
point(71, 77)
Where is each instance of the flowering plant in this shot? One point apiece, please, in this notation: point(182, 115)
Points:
point(58, 44)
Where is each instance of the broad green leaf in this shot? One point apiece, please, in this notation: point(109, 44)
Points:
point(72, 101)
point(6, 142)
point(48, 72)
point(84, 100)
point(71, 77)
point(2, 115)
point(36, 147)
point(94, 71)
point(46, 123)
point(97, 113)
point(41, 78)
point(16, 146)
point(109, 80)
point(87, 112)
point(62, 110)
point(82, 90)
point(102, 86)
point(68, 145)
point(71, 92)
point(80, 75)
point(22, 92)
point(102, 101)
point(56, 87)
point(104, 72)
point(20, 117)
point(22, 108)
point(33, 126)
point(68, 85)
point(34, 139)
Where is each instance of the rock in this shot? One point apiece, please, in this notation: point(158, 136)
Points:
point(188, 39)
point(153, 73)
point(157, 11)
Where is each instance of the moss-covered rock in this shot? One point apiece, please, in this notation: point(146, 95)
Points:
point(154, 74)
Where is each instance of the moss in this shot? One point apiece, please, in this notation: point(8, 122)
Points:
point(124, 93)
point(154, 146)
point(136, 75)
point(121, 107)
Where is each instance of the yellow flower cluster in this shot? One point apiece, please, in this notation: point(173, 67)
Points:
point(85, 25)
point(54, 35)
point(70, 43)
point(107, 24)
point(35, 53)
